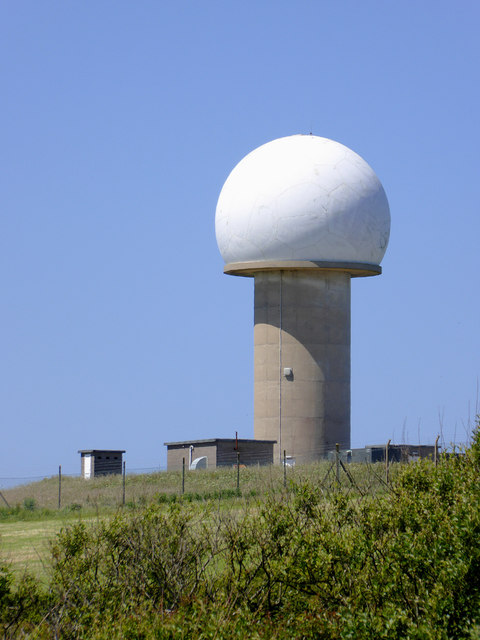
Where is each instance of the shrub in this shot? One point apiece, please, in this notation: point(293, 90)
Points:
point(22, 604)
point(401, 564)
point(29, 504)
point(130, 562)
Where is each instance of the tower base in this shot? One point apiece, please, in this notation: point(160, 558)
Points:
point(302, 361)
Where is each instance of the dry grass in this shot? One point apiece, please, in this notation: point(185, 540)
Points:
point(106, 492)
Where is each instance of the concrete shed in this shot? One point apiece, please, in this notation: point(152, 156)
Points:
point(100, 462)
point(218, 452)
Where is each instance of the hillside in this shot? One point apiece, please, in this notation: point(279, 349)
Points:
point(314, 559)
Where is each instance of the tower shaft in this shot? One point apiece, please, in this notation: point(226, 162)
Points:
point(302, 323)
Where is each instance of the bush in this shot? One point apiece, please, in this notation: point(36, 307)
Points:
point(404, 564)
point(22, 604)
point(29, 504)
point(155, 560)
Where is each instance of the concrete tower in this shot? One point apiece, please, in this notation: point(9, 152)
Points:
point(302, 215)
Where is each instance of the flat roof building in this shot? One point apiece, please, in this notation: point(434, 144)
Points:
point(396, 453)
point(100, 462)
point(218, 452)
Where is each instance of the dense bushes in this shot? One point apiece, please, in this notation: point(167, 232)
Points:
point(300, 564)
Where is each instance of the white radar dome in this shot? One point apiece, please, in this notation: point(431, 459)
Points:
point(302, 198)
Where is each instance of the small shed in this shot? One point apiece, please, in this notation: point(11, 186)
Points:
point(100, 462)
point(218, 452)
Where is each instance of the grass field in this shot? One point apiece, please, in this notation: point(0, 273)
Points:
point(25, 546)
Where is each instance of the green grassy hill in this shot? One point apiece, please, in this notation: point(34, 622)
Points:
point(107, 492)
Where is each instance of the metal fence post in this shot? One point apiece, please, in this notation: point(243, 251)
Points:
point(284, 468)
point(183, 476)
point(387, 448)
point(123, 483)
point(337, 461)
point(238, 472)
point(59, 486)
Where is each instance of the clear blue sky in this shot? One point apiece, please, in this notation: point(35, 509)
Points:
point(120, 121)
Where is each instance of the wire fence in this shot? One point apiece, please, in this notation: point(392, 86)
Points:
point(11, 482)
point(139, 487)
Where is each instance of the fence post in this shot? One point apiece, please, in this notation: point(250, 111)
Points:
point(387, 448)
point(238, 471)
point(123, 483)
point(183, 476)
point(337, 462)
point(59, 486)
point(284, 468)
point(435, 453)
